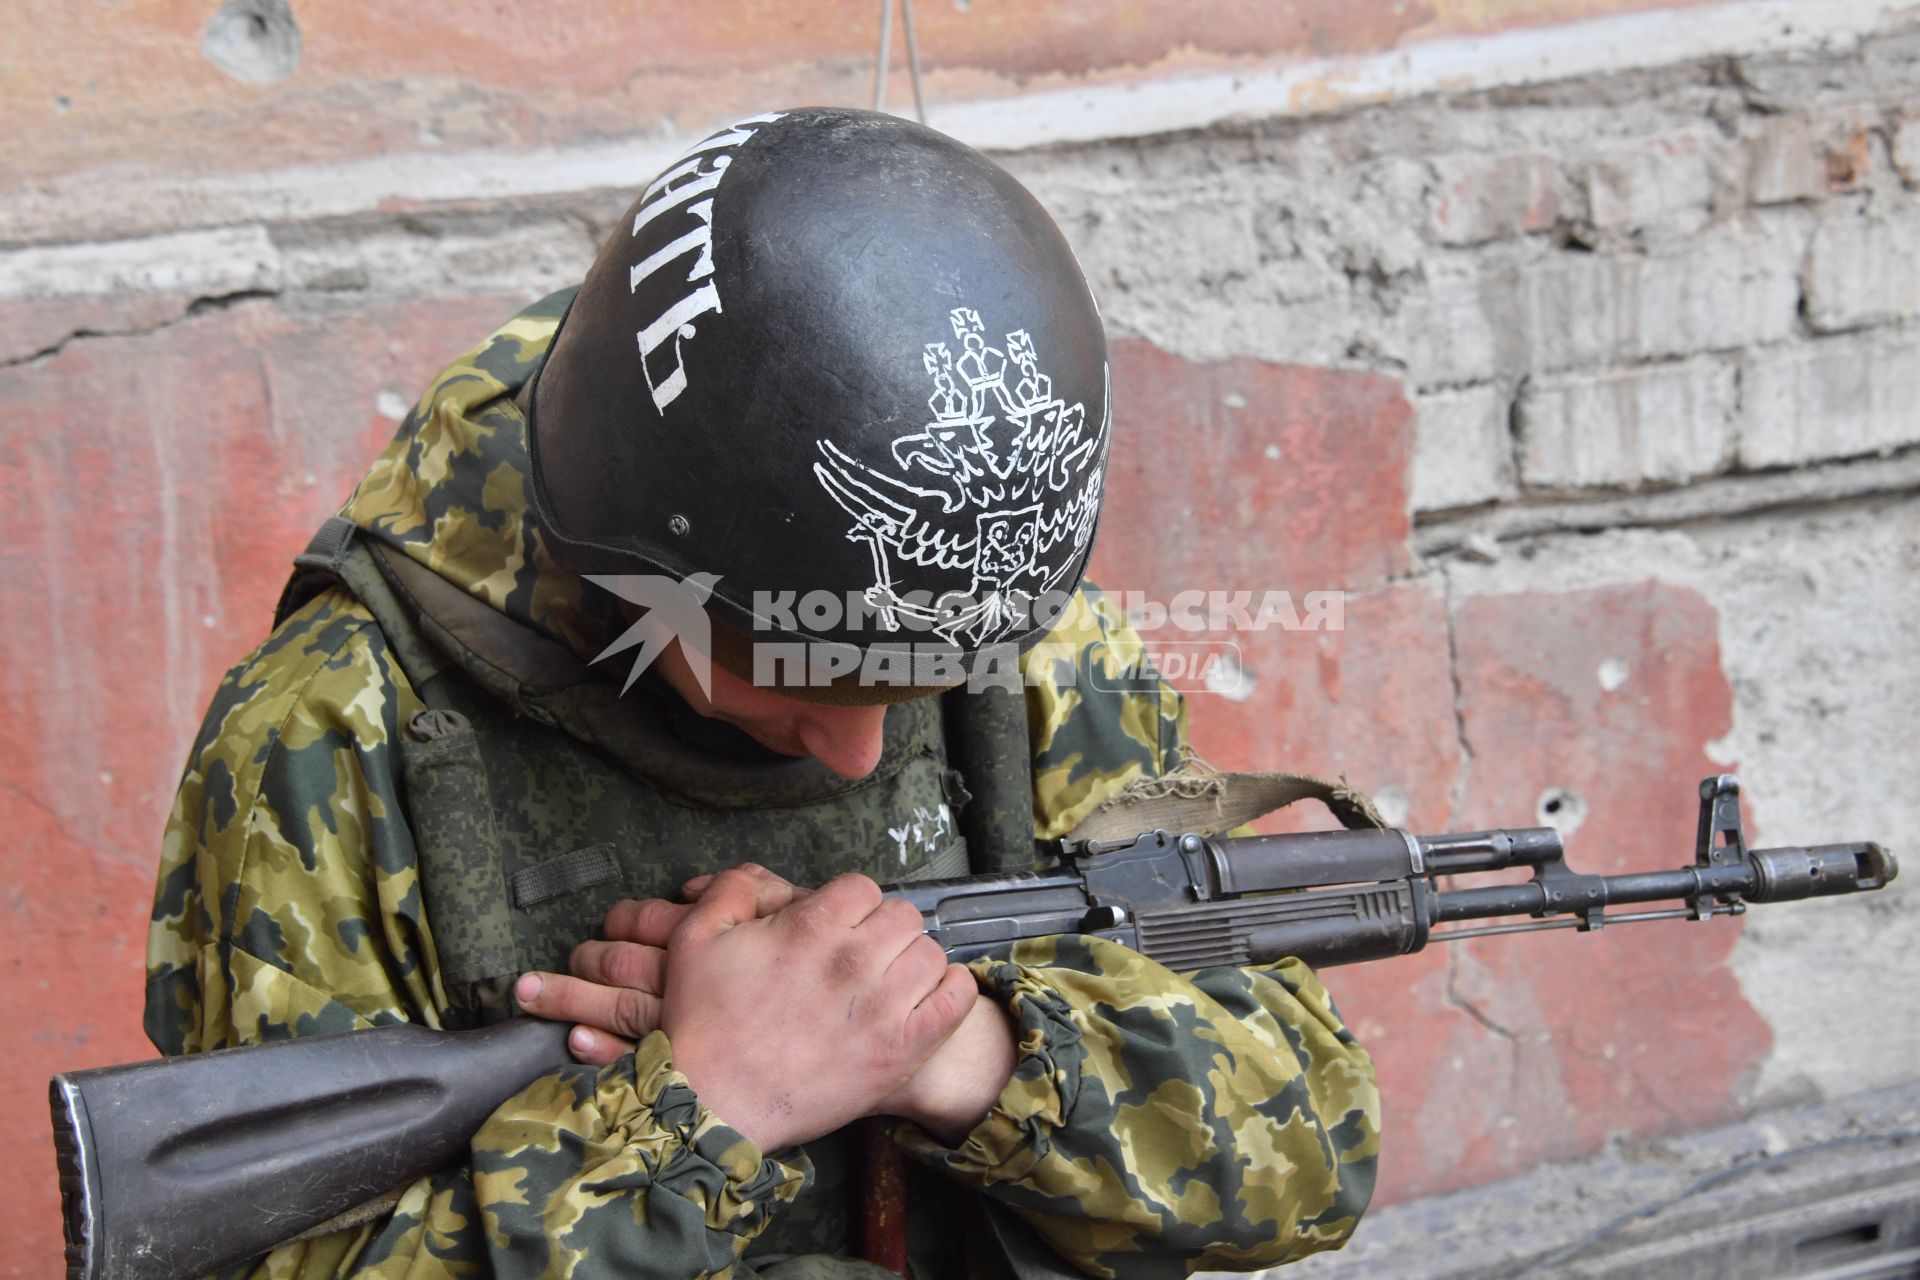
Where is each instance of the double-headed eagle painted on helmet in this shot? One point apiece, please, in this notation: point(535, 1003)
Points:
point(993, 501)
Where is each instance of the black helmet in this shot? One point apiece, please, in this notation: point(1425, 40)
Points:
point(832, 356)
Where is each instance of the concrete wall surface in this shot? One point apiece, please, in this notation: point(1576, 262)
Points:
point(1577, 342)
point(1825, 1191)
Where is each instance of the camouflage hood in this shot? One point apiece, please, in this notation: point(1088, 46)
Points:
point(450, 491)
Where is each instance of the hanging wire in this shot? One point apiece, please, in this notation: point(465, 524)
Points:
point(881, 58)
point(913, 60)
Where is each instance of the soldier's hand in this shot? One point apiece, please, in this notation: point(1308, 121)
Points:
point(613, 990)
point(789, 1026)
point(953, 1090)
point(615, 987)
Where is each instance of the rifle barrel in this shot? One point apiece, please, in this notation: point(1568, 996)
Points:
point(1763, 875)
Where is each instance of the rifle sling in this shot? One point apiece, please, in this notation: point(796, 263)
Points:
point(1198, 799)
point(372, 1210)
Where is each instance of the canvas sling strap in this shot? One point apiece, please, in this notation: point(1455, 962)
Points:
point(1202, 800)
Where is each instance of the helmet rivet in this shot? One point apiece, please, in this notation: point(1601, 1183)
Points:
point(678, 526)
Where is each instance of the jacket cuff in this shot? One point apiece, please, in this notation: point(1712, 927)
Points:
point(1039, 1098)
point(689, 1152)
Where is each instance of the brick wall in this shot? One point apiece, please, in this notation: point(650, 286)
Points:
point(1593, 387)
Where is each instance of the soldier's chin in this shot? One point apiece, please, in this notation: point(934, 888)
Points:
point(780, 744)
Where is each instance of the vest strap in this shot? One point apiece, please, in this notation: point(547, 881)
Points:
point(987, 742)
point(580, 869)
point(462, 872)
point(950, 863)
point(316, 568)
point(338, 556)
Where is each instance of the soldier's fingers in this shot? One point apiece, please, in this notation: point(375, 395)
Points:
point(894, 916)
point(945, 1007)
point(732, 899)
point(890, 929)
point(596, 1047)
point(919, 968)
point(775, 891)
point(648, 921)
point(621, 1011)
point(621, 964)
point(842, 902)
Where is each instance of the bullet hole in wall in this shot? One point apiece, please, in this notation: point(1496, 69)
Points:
point(1561, 809)
point(254, 41)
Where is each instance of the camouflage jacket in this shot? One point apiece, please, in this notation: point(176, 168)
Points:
point(1155, 1124)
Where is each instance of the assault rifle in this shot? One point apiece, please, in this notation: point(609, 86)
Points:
point(175, 1168)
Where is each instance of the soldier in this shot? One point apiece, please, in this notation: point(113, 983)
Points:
point(785, 383)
